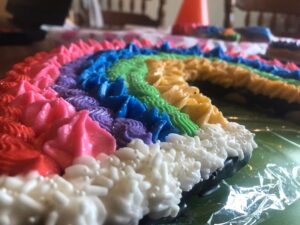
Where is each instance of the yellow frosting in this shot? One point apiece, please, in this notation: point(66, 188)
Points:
point(227, 75)
point(169, 78)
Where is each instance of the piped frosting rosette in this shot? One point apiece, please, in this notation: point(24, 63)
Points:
point(104, 133)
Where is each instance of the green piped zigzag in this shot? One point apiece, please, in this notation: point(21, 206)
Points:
point(134, 71)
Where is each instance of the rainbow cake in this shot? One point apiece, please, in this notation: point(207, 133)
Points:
point(285, 50)
point(108, 133)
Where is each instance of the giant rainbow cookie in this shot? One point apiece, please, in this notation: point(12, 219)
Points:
point(107, 133)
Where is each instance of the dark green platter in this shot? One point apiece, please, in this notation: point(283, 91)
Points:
point(267, 190)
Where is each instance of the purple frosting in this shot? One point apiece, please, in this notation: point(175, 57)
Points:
point(83, 102)
point(125, 130)
point(67, 71)
point(71, 68)
point(103, 116)
point(66, 81)
point(66, 92)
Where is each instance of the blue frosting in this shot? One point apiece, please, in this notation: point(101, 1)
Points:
point(102, 61)
point(123, 129)
point(114, 94)
point(218, 52)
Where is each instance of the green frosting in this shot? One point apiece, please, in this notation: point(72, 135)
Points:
point(270, 76)
point(134, 72)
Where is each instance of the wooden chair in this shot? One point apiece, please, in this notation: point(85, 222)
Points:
point(283, 15)
point(120, 17)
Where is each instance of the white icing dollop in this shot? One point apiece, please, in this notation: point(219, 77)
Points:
point(138, 180)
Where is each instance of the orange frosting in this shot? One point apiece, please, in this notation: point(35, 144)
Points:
point(18, 157)
point(16, 77)
point(64, 134)
point(168, 78)
point(6, 85)
point(5, 99)
point(11, 112)
point(16, 129)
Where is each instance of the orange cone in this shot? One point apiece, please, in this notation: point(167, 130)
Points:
point(193, 12)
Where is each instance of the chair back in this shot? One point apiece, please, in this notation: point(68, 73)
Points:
point(119, 17)
point(282, 16)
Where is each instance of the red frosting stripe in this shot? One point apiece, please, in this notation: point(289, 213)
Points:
point(7, 85)
point(16, 129)
point(23, 87)
point(5, 99)
point(11, 112)
point(16, 77)
point(18, 157)
point(18, 68)
point(63, 133)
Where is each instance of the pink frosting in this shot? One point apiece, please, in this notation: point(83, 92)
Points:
point(292, 66)
point(63, 133)
point(23, 87)
point(96, 45)
point(77, 136)
point(25, 99)
point(62, 55)
point(28, 98)
point(48, 69)
point(27, 94)
point(107, 45)
point(87, 49)
point(75, 51)
point(43, 81)
point(43, 114)
point(146, 43)
point(276, 62)
point(46, 75)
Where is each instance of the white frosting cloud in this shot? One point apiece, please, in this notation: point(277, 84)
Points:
point(138, 180)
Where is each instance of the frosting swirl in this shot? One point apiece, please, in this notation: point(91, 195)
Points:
point(83, 102)
point(103, 116)
point(18, 157)
point(16, 77)
point(6, 99)
point(66, 81)
point(68, 92)
point(125, 130)
point(7, 85)
point(42, 114)
point(77, 136)
point(17, 130)
point(11, 112)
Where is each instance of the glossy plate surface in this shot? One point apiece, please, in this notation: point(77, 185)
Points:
point(267, 190)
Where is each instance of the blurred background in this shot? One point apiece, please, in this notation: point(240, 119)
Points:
point(230, 20)
point(215, 8)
